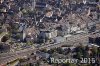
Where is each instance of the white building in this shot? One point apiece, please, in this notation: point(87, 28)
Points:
point(48, 34)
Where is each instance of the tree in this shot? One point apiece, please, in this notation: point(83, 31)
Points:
point(98, 51)
point(94, 51)
point(37, 64)
point(29, 43)
point(66, 64)
point(78, 55)
point(51, 51)
point(44, 50)
point(69, 64)
point(59, 50)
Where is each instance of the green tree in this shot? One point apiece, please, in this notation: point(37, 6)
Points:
point(98, 51)
point(29, 43)
point(94, 51)
point(59, 50)
point(78, 55)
